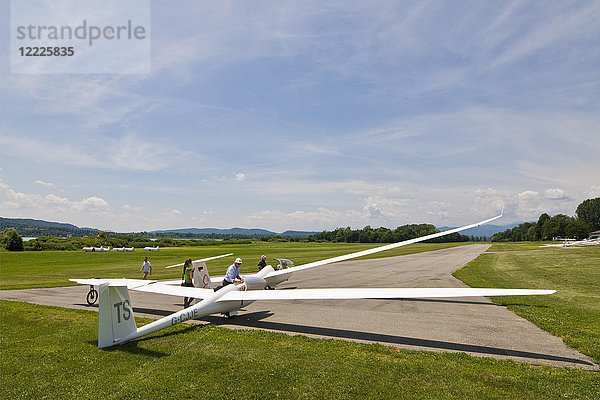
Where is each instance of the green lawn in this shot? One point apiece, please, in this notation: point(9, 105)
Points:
point(51, 353)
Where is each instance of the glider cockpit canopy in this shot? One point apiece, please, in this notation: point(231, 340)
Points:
point(284, 263)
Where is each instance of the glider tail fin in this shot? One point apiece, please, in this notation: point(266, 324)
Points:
point(115, 315)
point(201, 277)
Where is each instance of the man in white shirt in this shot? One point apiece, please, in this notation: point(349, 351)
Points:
point(146, 267)
point(233, 272)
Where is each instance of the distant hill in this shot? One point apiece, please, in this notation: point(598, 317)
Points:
point(36, 227)
point(484, 230)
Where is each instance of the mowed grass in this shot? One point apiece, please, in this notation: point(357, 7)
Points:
point(51, 353)
point(37, 269)
point(572, 313)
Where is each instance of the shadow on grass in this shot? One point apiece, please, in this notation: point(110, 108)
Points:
point(132, 347)
point(255, 320)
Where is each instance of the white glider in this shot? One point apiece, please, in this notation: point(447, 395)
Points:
point(96, 249)
point(116, 324)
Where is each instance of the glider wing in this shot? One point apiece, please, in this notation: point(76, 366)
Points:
point(375, 293)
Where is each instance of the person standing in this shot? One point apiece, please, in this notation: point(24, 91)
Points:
point(185, 265)
point(262, 263)
point(146, 267)
point(188, 281)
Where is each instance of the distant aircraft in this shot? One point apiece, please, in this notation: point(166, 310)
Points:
point(152, 248)
point(122, 248)
point(574, 242)
point(96, 249)
point(116, 324)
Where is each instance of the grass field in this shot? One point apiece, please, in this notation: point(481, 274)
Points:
point(49, 352)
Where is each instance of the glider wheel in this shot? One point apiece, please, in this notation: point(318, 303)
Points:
point(92, 296)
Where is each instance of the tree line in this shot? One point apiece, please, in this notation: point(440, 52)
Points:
point(385, 235)
point(585, 221)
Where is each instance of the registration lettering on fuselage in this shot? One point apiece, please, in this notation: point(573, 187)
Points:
point(184, 316)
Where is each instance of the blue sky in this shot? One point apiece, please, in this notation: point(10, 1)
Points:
point(310, 116)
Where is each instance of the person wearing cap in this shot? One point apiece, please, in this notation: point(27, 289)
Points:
point(262, 263)
point(233, 272)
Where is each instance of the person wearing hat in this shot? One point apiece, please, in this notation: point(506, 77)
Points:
point(262, 263)
point(233, 272)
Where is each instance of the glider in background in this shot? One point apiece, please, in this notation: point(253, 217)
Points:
point(96, 249)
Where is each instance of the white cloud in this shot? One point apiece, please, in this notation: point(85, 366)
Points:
point(17, 200)
point(92, 204)
point(33, 149)
point(130, 208)
point(528, 205)
point(556, 194)
point(544, 33)
point(128, 152)
point(240, 177)
point(45, 184)
point(131, 152)
point(528, 195)
point(13, 201)
point(377, 206)
point(593, 192)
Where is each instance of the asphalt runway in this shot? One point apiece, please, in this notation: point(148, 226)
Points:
point(472, 325)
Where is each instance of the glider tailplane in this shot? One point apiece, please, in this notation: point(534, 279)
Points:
point(115, 315)
point(201, 277)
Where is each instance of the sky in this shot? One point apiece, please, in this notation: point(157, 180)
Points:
point(311, 115)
